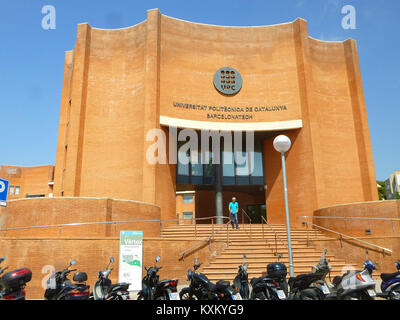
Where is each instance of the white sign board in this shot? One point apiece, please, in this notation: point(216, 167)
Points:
point(130, 259)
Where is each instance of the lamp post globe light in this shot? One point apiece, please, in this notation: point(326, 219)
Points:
point(282, 144)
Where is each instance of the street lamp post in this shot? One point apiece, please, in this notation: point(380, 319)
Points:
point(282, 144)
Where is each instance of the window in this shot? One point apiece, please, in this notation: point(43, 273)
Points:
point(187, 198)
point(11, 189)
point(188, 215)
point(35, 195)
point(17, 190)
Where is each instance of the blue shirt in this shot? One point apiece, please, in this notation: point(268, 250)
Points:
point(234, 206)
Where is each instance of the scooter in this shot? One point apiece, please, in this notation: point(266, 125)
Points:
point(390, 285)
point(201, 288)
point(59, 287)
point(103, 289)
point(311, 286)
point(273, 286)
point(13, 283)
point(241, 282)
point(356, 285)
point(153, 289)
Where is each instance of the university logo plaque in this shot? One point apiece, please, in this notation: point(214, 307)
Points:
point(228, 81)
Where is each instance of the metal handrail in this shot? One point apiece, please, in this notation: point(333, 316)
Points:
point(262, 224)
point(349, 237)
point(243, 211)
point(350, 218)
point(277, 237)
point(105, 223)
point(182, 254)
point(101, 222)
point(354, 218)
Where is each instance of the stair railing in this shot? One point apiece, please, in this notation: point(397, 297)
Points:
point(277, 238)
point(209, 238)
point(248, 217)
point(349, 237)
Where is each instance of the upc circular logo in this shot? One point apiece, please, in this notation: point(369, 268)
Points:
point(228, 81)
point(2, 186)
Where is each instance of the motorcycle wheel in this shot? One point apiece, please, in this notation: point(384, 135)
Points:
point(141, 297)
point(395, 293)
point(186, 295)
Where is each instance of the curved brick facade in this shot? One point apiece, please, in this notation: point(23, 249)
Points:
point(119, 84)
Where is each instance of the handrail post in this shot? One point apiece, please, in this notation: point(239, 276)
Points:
point(308, 240)
point(262, 226)
point(227, 236)
point(250, 229)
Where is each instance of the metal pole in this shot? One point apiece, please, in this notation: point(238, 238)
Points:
point(291, 271)
point(218, 194)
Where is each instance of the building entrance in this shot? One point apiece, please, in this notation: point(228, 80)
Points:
point(216, 183)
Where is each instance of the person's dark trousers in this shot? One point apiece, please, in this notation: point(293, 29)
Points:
point(234, 219)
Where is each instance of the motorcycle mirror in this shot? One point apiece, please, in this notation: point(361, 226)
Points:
point(72, 262)
point(244, 256)
point(2, 259)
point(196, 260)
point(158, 258)
point(111, 259)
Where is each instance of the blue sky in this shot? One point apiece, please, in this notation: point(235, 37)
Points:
point(32, 60)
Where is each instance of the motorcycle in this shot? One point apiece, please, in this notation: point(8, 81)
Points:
point(390, 285)
point(201, 288)
point(311, 286)
point(103, 289)
point(273, 286)
point(59, 287)
point(13, 283)
point(241, 282)
point(356, 285)
point(153, 289)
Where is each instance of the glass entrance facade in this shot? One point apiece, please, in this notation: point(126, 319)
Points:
point(247, 171)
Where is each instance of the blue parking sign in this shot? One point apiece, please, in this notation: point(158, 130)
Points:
point(3, 192)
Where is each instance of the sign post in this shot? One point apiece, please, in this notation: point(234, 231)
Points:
point(3, 192)
point(130, 259)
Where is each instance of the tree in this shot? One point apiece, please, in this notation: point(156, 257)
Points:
point(381, 190)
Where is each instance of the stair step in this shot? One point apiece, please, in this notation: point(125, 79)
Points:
point(261, 244)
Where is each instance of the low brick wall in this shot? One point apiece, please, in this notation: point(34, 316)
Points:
point(374, 209)
point(51, 211)
point(92, 255)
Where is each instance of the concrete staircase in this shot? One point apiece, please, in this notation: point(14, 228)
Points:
point(261, 244)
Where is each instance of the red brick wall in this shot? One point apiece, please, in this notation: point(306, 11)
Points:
point(51, 211)
point(92, 255)
point(31, 180)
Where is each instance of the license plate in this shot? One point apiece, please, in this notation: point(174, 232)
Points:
point(281, 294)
point(325, 289)
point(174, 296)
point(371, 292)
point(237, 296)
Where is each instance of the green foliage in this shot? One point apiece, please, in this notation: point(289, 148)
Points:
point(381, 190)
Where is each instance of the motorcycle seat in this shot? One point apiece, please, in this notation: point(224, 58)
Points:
point(304, 280)
point(389, 276)
point(123, 286)
point(223, 284)
point(337, 280)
